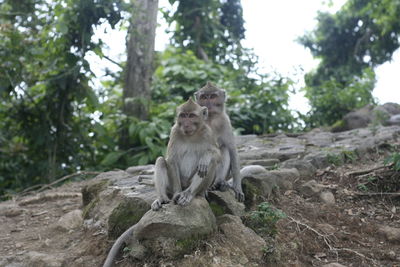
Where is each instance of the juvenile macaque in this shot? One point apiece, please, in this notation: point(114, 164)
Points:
point(213, 98)
point(189, 168)
point(192, 157)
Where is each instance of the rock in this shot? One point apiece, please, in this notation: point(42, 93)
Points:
point(145, 169)
point(116, 199)
point(359, 118)
point(285, 178)
point(391, 108)
point(225, 202)
point(70, 221)
point(257, 187)
point(392, 234)
point(305, 168)
point(243, 237)
point(327, 197)
point(311, 188)
point(173, 230)
point(394, 120)
point(318, 159)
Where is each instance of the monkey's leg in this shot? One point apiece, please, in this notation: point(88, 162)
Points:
point(161, 183)
point(198, 186)
point(236, 177)
point(222, 171)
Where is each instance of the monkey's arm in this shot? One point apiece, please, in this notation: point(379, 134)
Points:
point(117, 245)
point(199, 185)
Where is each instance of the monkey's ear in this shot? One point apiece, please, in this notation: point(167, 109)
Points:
point(204, 112)
point(223, 94)
point(196, 96)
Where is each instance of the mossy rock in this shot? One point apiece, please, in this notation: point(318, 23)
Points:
point(126, 214)
point(91, 191)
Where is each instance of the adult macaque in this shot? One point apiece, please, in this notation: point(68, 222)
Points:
point(192, 157)
point(213, 98)
point(189, 168)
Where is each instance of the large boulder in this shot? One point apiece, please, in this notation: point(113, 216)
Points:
point(173, 230)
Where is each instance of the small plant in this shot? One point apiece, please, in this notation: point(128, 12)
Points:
point(263, 220)
point(394, 161)
point(362, 187)
point(335, 159)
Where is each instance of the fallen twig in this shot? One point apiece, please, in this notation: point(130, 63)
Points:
point(49, 186)
point(357, 173)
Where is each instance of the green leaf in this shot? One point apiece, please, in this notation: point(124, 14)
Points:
point(112, 158)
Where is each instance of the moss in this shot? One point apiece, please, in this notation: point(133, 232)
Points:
point(90, 192)
point(86, 210)
point(185, 246)
point(217, 209)
point(252, 193)
point(339, 126)
point(126, 214)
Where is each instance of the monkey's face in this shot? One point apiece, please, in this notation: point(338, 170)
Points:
point(189, 122)
point(214, 101)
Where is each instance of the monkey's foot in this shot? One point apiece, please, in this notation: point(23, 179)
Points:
point(183, 198)
point(220, 186)
point(157, 204)
point(238, 193)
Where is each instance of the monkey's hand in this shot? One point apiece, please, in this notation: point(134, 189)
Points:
point(157, 204)
point(204, 162)
point(221, 186)
point(183, 198)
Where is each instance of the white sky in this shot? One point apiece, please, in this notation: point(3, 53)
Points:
point(271, 29)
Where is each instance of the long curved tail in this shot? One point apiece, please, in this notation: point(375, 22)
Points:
point(117, 245)
point(250, 170)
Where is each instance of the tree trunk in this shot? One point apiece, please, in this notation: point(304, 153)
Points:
point(139, 67)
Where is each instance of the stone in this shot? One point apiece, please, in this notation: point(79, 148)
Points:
point(327, 197)
point(285, 178)
point(318, 159)
point(394, 120)
point(243, 237)
point(392, 234)
point(174, 230)
point(116, 199)
point(311, 188)
point(305, 168)
point(326, 228)
point(144, 169)
point(70, 221)
point(225, 202)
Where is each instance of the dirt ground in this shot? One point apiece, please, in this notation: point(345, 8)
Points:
point(313, 234)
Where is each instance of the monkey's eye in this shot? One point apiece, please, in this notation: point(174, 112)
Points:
point(192, 115)
point(213, 96)
point(203, 97)
point(182, 115)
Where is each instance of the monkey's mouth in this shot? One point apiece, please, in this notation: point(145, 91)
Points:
point(188, 132)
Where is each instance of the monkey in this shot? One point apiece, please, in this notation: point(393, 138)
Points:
point(191, 160)
point(213, 98)
point(188, 169)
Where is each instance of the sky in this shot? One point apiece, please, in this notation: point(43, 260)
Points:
point(272, 28)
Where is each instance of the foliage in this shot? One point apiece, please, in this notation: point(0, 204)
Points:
point(331, 100)
point(181, 73)
point(45, 88)
point(211, 28)
point(263, 220)
point(349, 44)
point(394, 161)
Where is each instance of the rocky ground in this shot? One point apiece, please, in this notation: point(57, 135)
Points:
point(340, 205)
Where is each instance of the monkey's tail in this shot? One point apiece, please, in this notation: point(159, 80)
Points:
point(117, 245)
point(250, 170)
